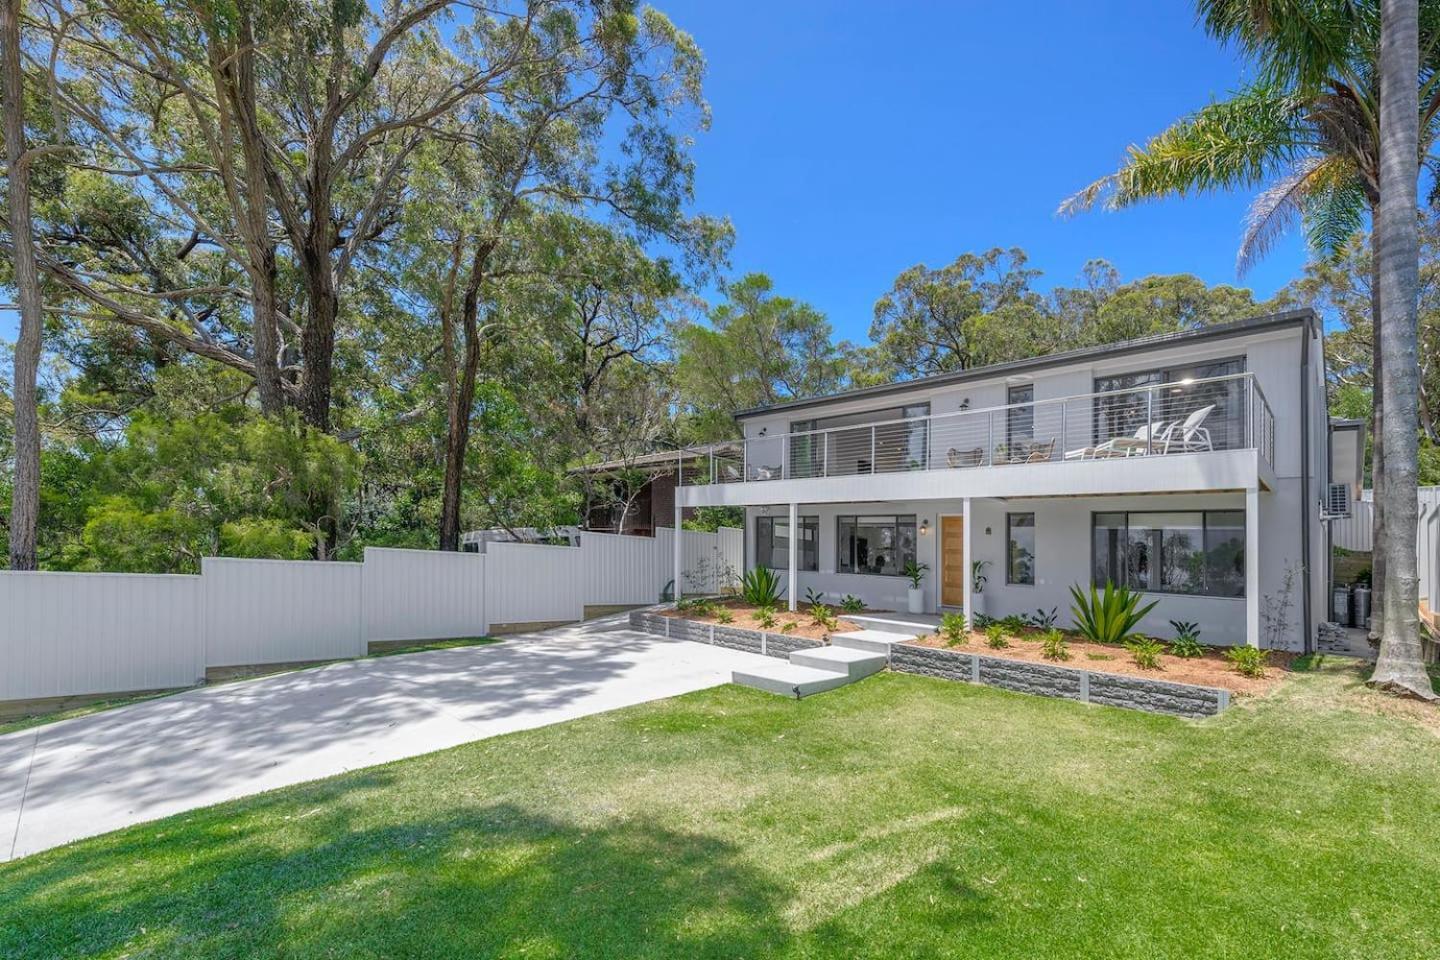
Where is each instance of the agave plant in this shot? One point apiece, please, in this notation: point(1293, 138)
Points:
point(760, 587)
point(1108, 616)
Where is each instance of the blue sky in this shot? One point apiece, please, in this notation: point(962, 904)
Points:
point(851, 140)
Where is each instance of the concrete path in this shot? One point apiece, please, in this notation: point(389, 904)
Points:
point(77, 778)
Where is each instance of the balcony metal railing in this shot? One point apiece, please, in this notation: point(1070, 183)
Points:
point(1188, 416)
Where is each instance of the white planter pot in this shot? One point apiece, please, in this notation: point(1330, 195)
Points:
point(916, 599)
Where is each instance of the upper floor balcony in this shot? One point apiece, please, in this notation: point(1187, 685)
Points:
point(1157, 420)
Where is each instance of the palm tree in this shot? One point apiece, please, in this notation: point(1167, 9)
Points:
point(1305, 133)
point(1398, 254)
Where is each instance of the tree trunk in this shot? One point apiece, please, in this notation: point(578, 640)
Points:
point(1399, 667)
point(1377, 438)
point(25, 494)
point(264, 303)
point(461, 400)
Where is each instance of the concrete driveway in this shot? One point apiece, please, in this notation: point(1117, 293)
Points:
point(77, 778)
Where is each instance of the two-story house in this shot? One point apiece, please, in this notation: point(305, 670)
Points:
point(1190, 466)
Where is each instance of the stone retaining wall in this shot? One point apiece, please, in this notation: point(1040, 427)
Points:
point(1042, 679)
point(751, 641)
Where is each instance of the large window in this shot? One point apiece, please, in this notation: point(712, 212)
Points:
point(1175, 398)
point(1020, 556)
point(1020, 421)
point(1200, 553)
point(845, 444)
point(876, 545)
point(772, 543)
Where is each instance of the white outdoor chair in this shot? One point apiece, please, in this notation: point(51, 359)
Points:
point(1139, 442)
point(1188, 436)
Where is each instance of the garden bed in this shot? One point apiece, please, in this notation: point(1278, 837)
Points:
point(743, 616)
point(1210, 670)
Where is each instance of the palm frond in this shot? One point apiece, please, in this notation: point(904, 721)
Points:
point(1300, 44)
point(1334, 215)
point(1239, 142)
point(1283, 204)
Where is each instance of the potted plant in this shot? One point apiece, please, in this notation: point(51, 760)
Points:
point(916, 594)
point(977, 586)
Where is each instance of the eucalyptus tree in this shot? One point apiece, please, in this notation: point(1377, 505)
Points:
point(25, 482)
point(1304, 132)
point(515, 176)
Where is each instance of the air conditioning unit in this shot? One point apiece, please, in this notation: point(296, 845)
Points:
point(1337, 502)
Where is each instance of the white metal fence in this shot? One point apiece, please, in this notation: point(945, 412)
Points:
point(70, 634)
point(1356, 532)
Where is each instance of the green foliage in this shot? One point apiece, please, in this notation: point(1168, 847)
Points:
point(765, 616)
point(813, 596)
point(851, 603)
point(760, 587)
point(788, 626)
point(1044, 620)
point(710, 519)
point(977, 575)
point(1054, 646)
point(1014, 624)
point(915, 572)
point(724, 616)
point(1248, 661)
point(982, 620)
point(995, 636)
point(952, 628)
point(822, 616)
point(172, 491)
point(1109, 616)
point(1187, 639)
point(1145, 651)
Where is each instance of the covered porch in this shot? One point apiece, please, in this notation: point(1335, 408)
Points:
point(1198, 554)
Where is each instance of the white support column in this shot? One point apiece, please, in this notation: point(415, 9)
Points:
point(679, 548)
point(1252, 567)
point(791, 587)
point(969, 565)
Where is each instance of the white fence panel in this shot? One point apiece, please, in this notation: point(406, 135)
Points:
point(423, 594)
point(625, 569)
point(281, 611)
point(732, 549)
point(531, 582)
point(1427, 550)
point(1355, 532)
point(63, 634)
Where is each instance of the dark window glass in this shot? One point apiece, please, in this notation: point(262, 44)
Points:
point(1020, 421)
point(1198, 553)
point(1020, 535)
point(879, 545)
point(772, 543)
point(846, 444)
point(1222, 427)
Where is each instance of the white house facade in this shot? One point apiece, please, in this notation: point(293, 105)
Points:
point(1191, 466)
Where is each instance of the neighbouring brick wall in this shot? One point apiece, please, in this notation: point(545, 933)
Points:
point(1135, 693)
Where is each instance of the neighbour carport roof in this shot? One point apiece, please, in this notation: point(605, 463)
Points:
point(660, 458)
point(1137, 345)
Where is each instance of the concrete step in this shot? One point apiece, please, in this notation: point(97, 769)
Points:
point(855, 663)
point(873, 641)
point(790, 680)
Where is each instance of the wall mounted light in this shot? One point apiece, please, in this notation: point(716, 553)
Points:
point(925, 527)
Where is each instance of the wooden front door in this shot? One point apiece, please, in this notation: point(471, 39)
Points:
point(952, 561)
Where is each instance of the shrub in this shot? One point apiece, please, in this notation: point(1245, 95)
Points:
point(823, 617)
point(983, 620)
point(788, 626)
point(1248, 661)
point(1145, 651)
point(1044, 620)
point(813, 597)
point(1014, 624)
point(1054, 646)
point(995, 636)
point(916, 573)
point(1187, 639)
point(851, 603)
point(702, 608)
point(952, 628)
point(724, 616)
point(765, 616)
point(1108, 617)
point(760, 587)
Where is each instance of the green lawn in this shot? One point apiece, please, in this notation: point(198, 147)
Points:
point(899, 817)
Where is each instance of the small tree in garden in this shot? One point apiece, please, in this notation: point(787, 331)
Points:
point(1109, 616)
